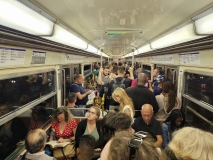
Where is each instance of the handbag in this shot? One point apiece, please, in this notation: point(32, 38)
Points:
point(64, 152)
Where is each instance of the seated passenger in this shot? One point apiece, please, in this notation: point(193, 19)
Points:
point(63, 125)
point(34, 144)
point(39, 117)
point(191, 143)
point(112, 124)
point(11, 132)
point(126, 105)
point(97, 101)
point(90, 126)
point(174, 122)
point(71, 99)
point(148, 124)
point(85, 151)
point(167, 101)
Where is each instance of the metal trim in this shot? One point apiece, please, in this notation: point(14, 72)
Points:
point(24, 108)
point(203, 104)
point(20, 74)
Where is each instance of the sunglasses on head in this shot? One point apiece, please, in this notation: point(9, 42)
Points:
point(136, 142)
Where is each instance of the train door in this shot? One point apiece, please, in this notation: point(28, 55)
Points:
point(171, 74)
point(65, 82)
point(147, 69)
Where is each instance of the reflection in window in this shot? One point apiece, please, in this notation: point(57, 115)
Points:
point(196, 120)
point(169, 75)
point(22, 90)
point(147, 70)
point(199, 87)
point(87, 69)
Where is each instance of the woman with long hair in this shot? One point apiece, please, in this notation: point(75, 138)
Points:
point(173, 123)
point(167, 101)
point(126, 104)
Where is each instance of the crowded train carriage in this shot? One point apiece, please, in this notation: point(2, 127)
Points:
point(106, 80)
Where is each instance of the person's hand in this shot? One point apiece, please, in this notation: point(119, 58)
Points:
point(131, 69)
point(88, 92)
point(97, 149)
point(131, 130)
point(61, 140)
point(101, 69)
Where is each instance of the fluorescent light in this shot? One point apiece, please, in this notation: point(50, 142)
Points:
point(204, 25)
point(181, 35)
point(65, 37)
point(16, 15)
point(144, 49)
point(91, 49)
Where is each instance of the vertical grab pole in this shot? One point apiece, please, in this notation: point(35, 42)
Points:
point(64, 87)
point(133, 57)
point(101, 58)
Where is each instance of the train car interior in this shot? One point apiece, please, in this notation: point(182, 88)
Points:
point(46, 44)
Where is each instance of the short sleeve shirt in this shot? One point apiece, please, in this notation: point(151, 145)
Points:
point(78, 88)
point(153, 127)
point(68, 131)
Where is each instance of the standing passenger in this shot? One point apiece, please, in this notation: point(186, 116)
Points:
point(82, 95)
point(157, 82)
point(140, 95)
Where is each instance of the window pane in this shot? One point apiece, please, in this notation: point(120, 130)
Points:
point(147, 70)
point(199, 86)
point(87, 69)
point(196, 119)
point(22, 90)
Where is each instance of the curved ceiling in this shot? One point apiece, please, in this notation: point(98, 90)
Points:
point(117, 26)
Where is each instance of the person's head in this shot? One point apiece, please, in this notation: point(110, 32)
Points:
point(79, 79)
point(120, 96)
point(120, 64)
point(121, 70)
point(176, 118)
point(97, 101)
point(191, 143)
point(142, 78)
point(24, 99)
point(5, 108)
point(35, 141)
point(114, 122)
point(62, 114)
point(119, 148)
point(39, 114)
point(93, 113)
point(156, 72)
point(71, 97)
point(115, 70)
point(85, 151)
point(105, 70)
point(97, 67)
point(147, 113)
point(68, 77)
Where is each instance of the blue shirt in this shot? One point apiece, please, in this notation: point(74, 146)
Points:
point(78, 88)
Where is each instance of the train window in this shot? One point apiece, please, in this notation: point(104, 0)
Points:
point(199, 86)
point(22, 90)
point(15, 130)
point(198, 116)
point(87, 69)
point(76, 70)
point(147, 70)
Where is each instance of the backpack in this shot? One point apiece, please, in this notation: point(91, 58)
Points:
point(118, 84)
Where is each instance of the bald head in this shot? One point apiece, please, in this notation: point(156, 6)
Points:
point(35, 141)
point(142, 77)
point(147, 112)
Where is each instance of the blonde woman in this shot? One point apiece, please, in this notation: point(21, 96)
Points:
point(126, 105)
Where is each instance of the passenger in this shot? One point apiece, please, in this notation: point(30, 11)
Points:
point(67, 84)
point(191, 143)
point(148, 124)
point(174, 122)
point(71, 100)
point(63, 126)
point(85, 151)
point(157, 83)
point(39, 117)
point(126, 105)
point(90, 126)
point(34, 144)
point(112, 124)
point(167, 101)
point(103, 76)
point(140, 95)
point(97, 101)
point(11, 132)
point(24, 100)
point(120, 81)
point(113, 73)
point(82, 95)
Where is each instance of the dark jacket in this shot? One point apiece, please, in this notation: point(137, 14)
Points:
point(140, 95)
point(81, 129)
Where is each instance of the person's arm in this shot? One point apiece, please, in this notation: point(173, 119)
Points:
point(73, 137)
point(134, 126)
point(81, 96)
point(159, 141)
point(99, 80)
point(164, 135)
point(127, 111)
point(154, 103)
point(131, 73)
point(79, 132)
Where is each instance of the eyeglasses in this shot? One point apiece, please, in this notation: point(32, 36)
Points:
point(136, 142)
point(93, 113)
